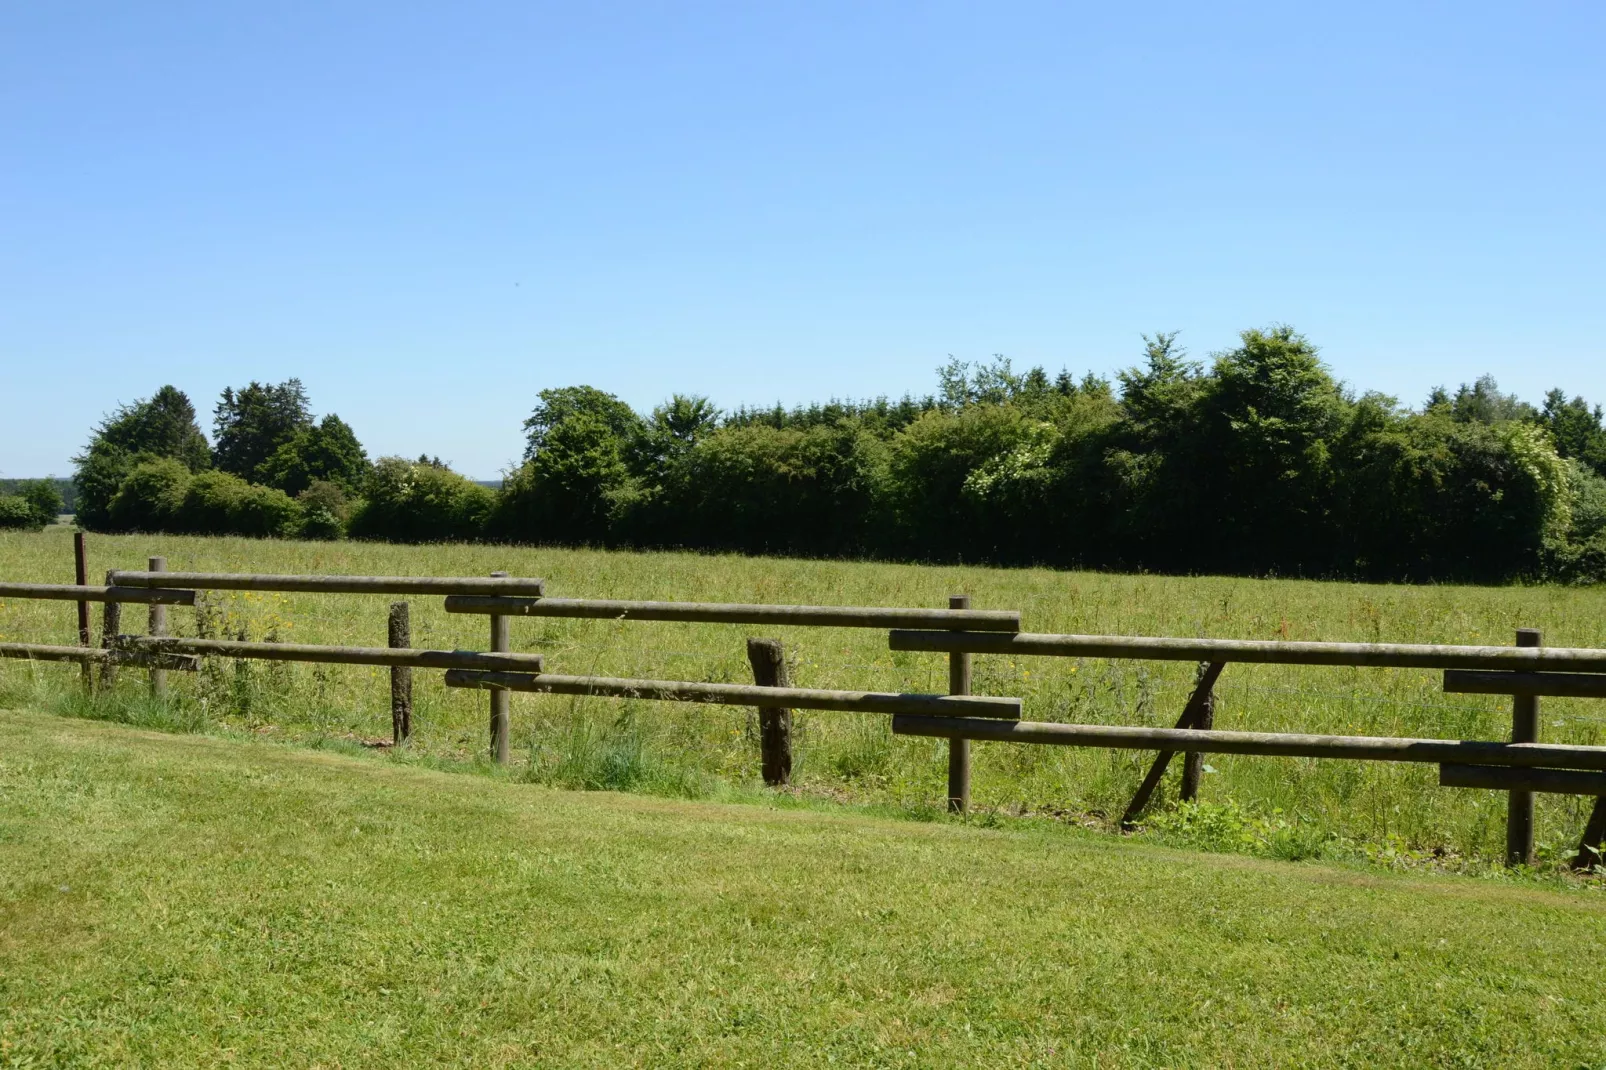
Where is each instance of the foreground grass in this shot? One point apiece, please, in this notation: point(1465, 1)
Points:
point(1312, 808)
point(188, 900)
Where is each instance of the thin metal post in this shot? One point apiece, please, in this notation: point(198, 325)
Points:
point(158, 627)
point(501, 642)
point(1520, 804)
point(959, 749)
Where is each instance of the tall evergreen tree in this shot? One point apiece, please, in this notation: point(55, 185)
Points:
point(250, 425)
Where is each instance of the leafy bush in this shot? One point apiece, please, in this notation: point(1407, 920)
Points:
point(266, 512)
point(17, 513)
point(211, 503)
point(151, 497)
point(44, 498)
point(761, 489)
point(325, 511)
point(406, 501)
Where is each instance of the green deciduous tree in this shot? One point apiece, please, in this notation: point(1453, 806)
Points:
point(327, 452)
point(162, 426)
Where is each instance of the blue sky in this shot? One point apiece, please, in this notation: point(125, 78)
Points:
point(430, 213)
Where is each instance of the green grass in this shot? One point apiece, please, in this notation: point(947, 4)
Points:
point(197, 901)
point(1299, 807)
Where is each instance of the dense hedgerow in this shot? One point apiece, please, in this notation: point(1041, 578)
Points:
point(1259, 463)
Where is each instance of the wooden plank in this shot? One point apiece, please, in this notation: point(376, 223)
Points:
point(984, 620)
point(977, 708)
point(336, 655)
point(1267, 744)
point(768, 660)
point(1554, 781)
point(438, 585)
point(1376, 655)
point(1197, 702)
point(69, 592)
point(1555, 684)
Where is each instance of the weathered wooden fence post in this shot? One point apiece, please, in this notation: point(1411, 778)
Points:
point(401, 676)
point(81, 573)
point(501, 642)
point(774, 722)
point(1205, 718)
point(1520, 804)
point(959, 749)
point(111, 623)
point(158, 627)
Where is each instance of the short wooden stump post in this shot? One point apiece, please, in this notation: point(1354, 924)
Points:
point(401, 676)
point(1520, 804)
point(959, 749)
point(501, 642)
point(158, 627)
point(774, 722)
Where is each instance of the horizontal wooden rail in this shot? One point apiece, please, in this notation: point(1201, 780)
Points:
point(1371, 655)
point(95, 655)
point(1554, 781)
point(335, 655)
point(982, 620)
point(1269, 744)
point(972, 708)
point(1559, 684)
point(71, 592)
point(226, 581)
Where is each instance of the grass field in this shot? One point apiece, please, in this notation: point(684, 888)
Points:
point(193, 900)
point(1282, 807)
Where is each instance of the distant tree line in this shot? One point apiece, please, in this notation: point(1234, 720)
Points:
point(1254, 462)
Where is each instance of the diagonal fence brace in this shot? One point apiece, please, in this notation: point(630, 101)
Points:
point(1199, 703)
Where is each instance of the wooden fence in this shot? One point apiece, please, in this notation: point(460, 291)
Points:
point(1519, 767)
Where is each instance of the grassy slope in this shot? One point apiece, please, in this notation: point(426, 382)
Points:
point(169, 900)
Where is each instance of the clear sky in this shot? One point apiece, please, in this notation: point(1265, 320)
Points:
point(430, 213)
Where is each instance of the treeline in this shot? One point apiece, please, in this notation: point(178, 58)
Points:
point(1257, 462)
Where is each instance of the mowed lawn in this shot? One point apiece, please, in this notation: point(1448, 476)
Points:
point(185, 900)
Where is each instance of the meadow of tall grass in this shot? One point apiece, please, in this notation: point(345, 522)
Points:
point(1297, 806)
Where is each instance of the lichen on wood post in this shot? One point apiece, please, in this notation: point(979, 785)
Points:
point(401, 676)
point(774, 722)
